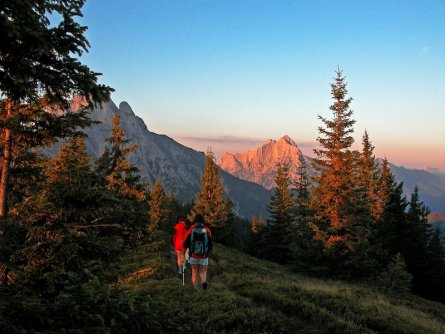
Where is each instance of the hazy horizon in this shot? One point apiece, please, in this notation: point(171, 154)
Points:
point(233, 74)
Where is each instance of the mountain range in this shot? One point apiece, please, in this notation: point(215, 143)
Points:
point(180, 168)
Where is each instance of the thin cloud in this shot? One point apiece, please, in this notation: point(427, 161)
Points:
point(223, 140)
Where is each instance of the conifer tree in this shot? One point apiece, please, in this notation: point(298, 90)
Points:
point(255, 235)
point(302, 245)
point(122, 176)
point(67, 224)
point(435, 288)
point(341, 221)
point(279, 231)
point(416, 246)
point(40, 69)
point(368, 177)
point(173, 209)
point(157, 203)
point(392, 227)
point(210, 200)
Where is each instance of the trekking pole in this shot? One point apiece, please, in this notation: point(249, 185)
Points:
point(183, 271)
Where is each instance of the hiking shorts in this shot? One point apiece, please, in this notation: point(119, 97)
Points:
point(203, 262)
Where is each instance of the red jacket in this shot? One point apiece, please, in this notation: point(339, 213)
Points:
point(179, 236)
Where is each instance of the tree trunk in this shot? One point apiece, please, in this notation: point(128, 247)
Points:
point(5, 164)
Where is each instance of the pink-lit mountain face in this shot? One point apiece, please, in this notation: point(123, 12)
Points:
point(260, 165)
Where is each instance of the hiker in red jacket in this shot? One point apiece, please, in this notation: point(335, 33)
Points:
point(199, 243)
point(178, 242)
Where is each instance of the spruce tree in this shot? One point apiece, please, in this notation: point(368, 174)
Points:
point(302, 244)
point(341, 219)
point(368, 177)
point(39, 70)
point(416, 244)
point(157, 203)
point(278, 234)
point(392, 227)
point(436, 250)
point(122, 176)
point(210, 200)
point(122, 179)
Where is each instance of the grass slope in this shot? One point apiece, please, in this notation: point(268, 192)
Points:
point(248, 295)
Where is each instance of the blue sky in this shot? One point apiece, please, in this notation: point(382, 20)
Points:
point(231, 74)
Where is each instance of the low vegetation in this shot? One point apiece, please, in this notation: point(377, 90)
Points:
point(250, 295)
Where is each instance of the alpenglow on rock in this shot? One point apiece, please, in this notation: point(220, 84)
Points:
point(260, 165)
point(178, 167)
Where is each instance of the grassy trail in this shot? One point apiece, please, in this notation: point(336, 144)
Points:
point(248, 295)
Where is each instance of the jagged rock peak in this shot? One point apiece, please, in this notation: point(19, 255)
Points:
point(259, 165)
point(125, 108)
point(288, 140)
point(270, 141)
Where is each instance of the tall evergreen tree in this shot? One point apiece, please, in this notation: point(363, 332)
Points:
point(278, 234)
point(210, 200)
point(341, 221)
point(392, 227)
point(368, 177)
point(122, 176)
point(157, 203)
point(436, 249)
point(39, 69)
point(302, 245)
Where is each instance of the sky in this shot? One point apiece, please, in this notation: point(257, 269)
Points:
point(231, 74)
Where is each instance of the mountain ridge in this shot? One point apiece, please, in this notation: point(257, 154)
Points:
point(178, 167)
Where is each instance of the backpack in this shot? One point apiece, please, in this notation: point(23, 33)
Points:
point(199, 241)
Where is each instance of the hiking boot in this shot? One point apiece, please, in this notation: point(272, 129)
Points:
point(204, 285)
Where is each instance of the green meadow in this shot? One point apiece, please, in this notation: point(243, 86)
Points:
point(249, 295)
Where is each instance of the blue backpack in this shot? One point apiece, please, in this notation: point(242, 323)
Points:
point(199, 241)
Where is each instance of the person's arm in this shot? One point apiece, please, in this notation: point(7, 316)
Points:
point(172, 239)
point(187, 241)
point(210, 242)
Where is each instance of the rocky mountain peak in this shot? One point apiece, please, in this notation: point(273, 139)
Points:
point(125, 108)
point(259, 165)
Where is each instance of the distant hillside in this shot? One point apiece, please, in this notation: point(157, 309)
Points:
point(437, 220)
point(431, 186)
point(248, 295)
point(178, 167)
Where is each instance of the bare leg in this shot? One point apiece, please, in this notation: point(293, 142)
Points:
point(202, 273)
point(195, 269)
point(179, 260)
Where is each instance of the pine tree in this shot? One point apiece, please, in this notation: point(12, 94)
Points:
point(396, 278)
point(392, 227)
point(256, 229)
point(40, 68)
point(368, 177)
point(157, 203)
point(210, 200)
point(122, 176)
point(302, 246)
point(436, 249)
point(278, 234)
point(70, 232)
point(341, 220)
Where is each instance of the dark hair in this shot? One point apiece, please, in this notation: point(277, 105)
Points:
point(199, 219)
point(181, 218)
